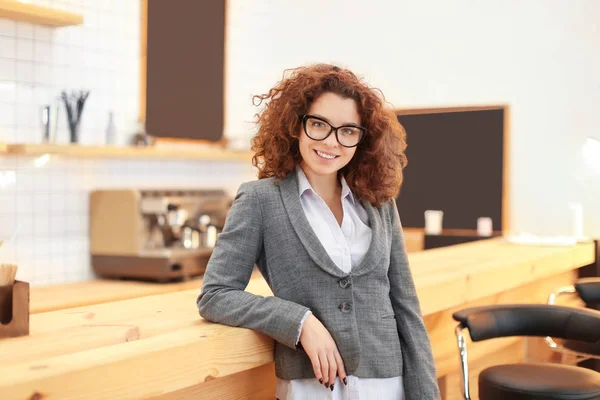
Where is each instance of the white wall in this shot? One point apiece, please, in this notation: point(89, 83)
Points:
point(541, 57)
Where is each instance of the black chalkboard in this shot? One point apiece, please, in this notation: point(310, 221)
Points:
point(185, 69)
point(455, 164)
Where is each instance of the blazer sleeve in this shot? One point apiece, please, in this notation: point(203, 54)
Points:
point(419, 375)
point(223, 298)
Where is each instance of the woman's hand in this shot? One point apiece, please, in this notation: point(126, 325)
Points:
point(322, 350)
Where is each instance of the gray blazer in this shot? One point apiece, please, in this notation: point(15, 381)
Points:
point(372, 313)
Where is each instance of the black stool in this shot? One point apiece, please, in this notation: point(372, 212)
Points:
point(588, 289)
point(530, 381)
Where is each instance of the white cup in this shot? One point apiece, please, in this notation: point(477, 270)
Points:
point(433, 222)
point(484, 226)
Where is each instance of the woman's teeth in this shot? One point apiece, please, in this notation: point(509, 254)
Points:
point(324, 155)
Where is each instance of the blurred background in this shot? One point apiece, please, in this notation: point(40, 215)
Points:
point(499, 100)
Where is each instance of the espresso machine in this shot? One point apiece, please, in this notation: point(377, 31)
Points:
point(159, 235)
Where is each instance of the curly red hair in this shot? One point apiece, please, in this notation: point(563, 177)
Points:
point(375, 172)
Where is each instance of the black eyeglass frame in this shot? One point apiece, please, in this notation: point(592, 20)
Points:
point(362, 129)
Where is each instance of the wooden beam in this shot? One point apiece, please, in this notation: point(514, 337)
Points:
point(143, 60)
point(447, 109)
point(506, 171)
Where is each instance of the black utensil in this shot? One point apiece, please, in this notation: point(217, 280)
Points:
point(74, 110)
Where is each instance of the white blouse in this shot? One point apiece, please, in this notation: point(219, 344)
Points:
point(346, 245)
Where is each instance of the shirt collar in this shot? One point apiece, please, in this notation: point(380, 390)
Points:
point(304, 185)
point(346, 192)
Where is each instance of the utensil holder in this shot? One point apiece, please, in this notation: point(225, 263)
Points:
point(14, 310)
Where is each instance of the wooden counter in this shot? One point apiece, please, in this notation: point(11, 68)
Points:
point(58, 297)
point(136, 340)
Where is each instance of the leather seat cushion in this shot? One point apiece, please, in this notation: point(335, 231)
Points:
point(538, 381)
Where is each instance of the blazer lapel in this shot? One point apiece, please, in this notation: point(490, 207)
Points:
point(375, 254)
point(377, 249)
point(310, 241)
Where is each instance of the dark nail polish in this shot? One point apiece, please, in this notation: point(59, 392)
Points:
point(345, 381)
point(327, 384)
point(332, 388)
point(321, 381)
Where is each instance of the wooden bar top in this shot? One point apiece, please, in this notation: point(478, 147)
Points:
point(456, 270)
point(96, 291)
point(119, 339)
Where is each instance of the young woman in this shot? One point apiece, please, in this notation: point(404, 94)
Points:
point(322, 226)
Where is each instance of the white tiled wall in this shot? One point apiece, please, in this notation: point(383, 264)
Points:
point(37, 63)
point(48, 205)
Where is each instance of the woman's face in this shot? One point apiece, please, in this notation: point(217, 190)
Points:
point(326, 157)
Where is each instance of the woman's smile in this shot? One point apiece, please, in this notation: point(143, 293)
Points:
point(326, 155)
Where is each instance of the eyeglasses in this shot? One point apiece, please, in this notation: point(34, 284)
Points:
point(318, 129)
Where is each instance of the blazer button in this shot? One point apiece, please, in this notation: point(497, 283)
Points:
point(345, 307)
point(344, 283)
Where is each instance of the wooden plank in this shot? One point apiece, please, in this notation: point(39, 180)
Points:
point(70, 331)
point(466, 254)
point(493, 266)
point(495, 253)
point(206, 153)
point(143, 60)
point(78, 329)
point(414, 239)
point(135, 319)
point(77, 294)
point(22, 11)
point(509, 273)
point(434, 110)
point(219, 346)
point(506, 168)
point(187, 350)
point(139, 369)
point(461, 273)
point(255, 384)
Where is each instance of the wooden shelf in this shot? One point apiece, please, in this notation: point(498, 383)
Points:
point(40, 15)
point(209, 154)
